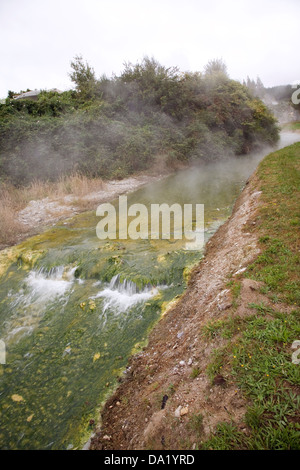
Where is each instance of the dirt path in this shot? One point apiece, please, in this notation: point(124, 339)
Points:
point(135, 416)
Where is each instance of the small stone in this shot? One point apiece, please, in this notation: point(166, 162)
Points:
point(16, 397)
point(184, 411)
point(118, 403)
point(177, 411)
point(106, 437)
point(190, 361)
point(164, 401)
point(182, 363)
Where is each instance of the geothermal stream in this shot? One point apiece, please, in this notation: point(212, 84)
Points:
point(73, 308)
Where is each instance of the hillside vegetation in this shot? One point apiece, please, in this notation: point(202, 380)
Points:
point(148, 117)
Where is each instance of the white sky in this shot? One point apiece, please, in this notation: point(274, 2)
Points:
point(39, 38)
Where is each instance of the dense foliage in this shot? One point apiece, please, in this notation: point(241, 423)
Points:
point(113, 127)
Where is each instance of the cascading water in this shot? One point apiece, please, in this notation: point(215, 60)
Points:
point(121, 296)
point(40, 289)
point(73, 308)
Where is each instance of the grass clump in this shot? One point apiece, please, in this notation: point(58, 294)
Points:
point(196, 423)
point(195, 372)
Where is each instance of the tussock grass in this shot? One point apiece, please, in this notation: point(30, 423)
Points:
point(78, 185)
point(13, 199)
point(9, 225)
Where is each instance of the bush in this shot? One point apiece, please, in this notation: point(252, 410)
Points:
point(115, 127)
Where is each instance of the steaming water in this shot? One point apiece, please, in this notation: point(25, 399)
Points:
point(71, 318)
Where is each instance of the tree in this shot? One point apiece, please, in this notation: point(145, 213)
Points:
point(152, 84)
point(260, 89)
point(216, 67)
point(84, 78)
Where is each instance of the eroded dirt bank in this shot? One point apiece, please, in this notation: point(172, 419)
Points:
point(144, 412)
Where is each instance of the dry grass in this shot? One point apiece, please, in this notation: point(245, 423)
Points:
point(13, 199)
point(10, 227)
point(78, 185)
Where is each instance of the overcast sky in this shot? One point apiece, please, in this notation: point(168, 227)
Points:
point(39, 38)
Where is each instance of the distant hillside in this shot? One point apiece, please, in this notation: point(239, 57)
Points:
point(278, 99)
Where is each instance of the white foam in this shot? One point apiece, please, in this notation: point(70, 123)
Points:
point(121, 296)
point(41, 288)
point(45, 287)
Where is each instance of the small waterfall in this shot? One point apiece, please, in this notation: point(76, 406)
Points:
point(127, 286)
point(45, 286)
point(41, 288)
point(122, 295)
point(57, 273)
point(52, 273)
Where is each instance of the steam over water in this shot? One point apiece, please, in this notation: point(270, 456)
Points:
point(71, 318)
